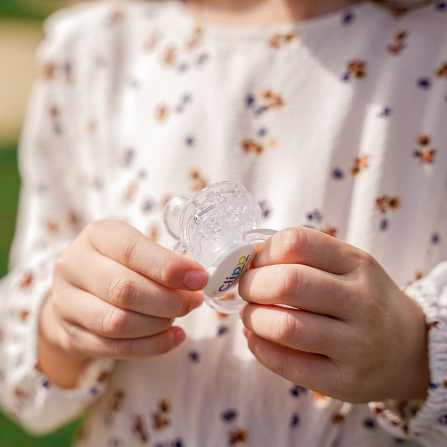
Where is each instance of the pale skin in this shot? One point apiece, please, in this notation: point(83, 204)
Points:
point(349, 331)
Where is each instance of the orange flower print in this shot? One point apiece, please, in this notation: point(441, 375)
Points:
point(139, 430)
point(330, 231)
point(273, 100)
point(114, 18)
point(168, 57)
point(359, 164)
point(130, 192)
point(221, 316)
point(418, 274)
point(378, 409)
point(398, 44)
point(433, 324)
point(338, 419)
point(425, 153)
point(52, 226)
point(278, 40)
point(23, 315)
point(386, 203)
point(160, 418)
point(355, 69)
point(117, 400)
point(26, 280)
point(238, 436)
point(75, 220)
point(161, 113)
point(153, 232)
point(441, 72)
point(399, 11)
point(194, 40)
point(198, 182)
point(251, 146)
point(263, 102)
point(102, 376)
point(320, 400)
point(21, 394)
point(153, 41)
point(47, 71)
point(164, 406)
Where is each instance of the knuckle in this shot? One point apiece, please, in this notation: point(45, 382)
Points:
point(115, 322)
point(61, 265)
point(184, 305)
point(293, 240)
point(281, 362)
point(287, 329)
point(365, 260)
point(127, 248)
point(167, 269)
point(122, 290)
point(287, 283)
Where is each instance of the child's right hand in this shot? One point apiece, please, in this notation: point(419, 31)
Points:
point(115, 295)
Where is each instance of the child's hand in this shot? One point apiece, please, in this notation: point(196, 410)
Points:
point(116, 293)
point(350, 332)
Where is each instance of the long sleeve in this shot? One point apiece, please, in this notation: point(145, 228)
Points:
point(53, 208)
point(425, 421)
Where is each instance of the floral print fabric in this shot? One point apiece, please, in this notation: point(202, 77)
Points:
point(336, 123)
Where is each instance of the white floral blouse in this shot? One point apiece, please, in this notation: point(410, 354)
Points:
point(337, 123)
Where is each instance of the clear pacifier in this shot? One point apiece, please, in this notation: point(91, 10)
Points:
point(217, 228)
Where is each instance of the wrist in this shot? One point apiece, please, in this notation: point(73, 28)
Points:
point(416, 378)
point(61, 367)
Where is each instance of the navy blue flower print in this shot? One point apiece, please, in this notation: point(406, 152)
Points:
point(229, 415)
point(424, 83)
point(369, 423)
point(194, 356)
point(337, 174)
point(295, 420)
point(347, 18)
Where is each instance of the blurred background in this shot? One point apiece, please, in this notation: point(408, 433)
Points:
point(20, 33)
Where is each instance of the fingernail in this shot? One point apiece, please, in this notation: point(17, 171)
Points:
point(195, 280)
point(179, 337)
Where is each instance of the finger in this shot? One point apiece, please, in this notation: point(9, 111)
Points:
point(124, 288)
point(299, 286)
point(95, 315)
point(297, 329)
point(312, 371)
point(79, 341)
point(299, 245)
point(132, 249)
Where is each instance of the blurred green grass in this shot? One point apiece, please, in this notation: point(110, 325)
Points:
point(10, 434)
point(9, 191)
point(30, 9)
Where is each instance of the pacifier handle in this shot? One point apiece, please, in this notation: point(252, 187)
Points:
point(258, 235)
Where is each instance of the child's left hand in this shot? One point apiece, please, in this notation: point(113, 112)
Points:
point(350, 332)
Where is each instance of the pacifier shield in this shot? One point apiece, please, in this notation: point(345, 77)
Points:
point(225, 272)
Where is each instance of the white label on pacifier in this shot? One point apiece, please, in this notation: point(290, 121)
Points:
point(227, 269)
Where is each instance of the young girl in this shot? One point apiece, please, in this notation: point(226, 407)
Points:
point(332, 114)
